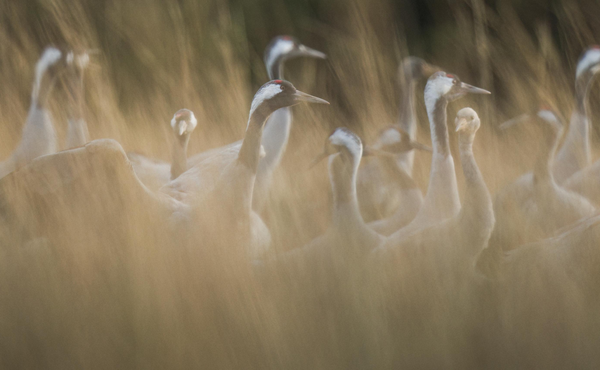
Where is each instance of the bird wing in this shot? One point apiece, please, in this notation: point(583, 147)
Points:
point(201, 157)
point(200, 179)
point(153, 173)
point(585, 182)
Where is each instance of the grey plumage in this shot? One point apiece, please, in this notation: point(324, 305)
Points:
point(39, 135)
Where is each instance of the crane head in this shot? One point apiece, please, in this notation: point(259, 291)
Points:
point(184, 122)
point(442, 85)
point(278, 94)
point(282, 48)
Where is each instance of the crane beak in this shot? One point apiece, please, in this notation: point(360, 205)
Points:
point(511, 122)
point(318, 159)
point(308, 52)
point(461, 124)
point(469, 89)
point(304, 97)
point(181, 127)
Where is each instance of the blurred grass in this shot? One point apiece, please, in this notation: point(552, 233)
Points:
point(134, 303)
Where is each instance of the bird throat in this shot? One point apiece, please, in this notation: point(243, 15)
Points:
point(439, 127)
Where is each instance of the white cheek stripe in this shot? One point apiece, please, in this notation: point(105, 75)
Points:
point(265, 93)
point(282, 47)
point(51, 56)
point(348, 140)
point(590, 58)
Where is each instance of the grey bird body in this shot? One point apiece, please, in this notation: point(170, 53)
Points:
point(276, 132)
point(535, 206)
point(225, 186)
point(422, 277)
point(156, 173)
point(340, 252)
point(379, 195)
point(470, 228)
point(442, 200)
point(575, 153)
point(77, 129)
point(586, 183)
point(39, 135)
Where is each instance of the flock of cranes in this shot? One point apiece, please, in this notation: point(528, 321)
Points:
point(546, 218)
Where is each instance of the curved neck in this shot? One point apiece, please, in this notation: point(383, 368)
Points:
point(42, 87)
point(407, 118)
point(477, 213)
point(77, 131)
point(347, 220)
point(407, 121)
point(582, 89)
point(542, 171)
point(342, 174)
point(275, 70)
point(179, 155)
point(442, 200)
point(436, 112)
point(578, 134)
point(575, 153)
point(275, 137)
point(75, 93)
point(249, 154)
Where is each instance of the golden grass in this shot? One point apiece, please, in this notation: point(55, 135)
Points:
point(101, 286)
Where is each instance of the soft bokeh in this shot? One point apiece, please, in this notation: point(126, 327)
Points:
point(114, 292)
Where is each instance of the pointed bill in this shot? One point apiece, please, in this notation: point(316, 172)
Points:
point(308, 52)
point(472, 89)
point(304, 97)
point(182, 127)
point(461, 124)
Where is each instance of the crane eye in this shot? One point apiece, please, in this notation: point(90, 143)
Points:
point(282, 87)
point(454, 82)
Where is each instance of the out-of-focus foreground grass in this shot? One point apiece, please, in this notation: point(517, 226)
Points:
point(115, 295)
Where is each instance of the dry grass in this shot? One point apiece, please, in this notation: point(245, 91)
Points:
point(106, 288)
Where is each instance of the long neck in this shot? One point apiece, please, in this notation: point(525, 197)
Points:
point(77, 131)
point(75, 90)
point(347, 219)
point(477, 213)
point(275, 70)
point(542, 171)
point(179, 155)
point(275, 137)
point(575, 153)
point(42, 87)
point(442, 200)
point(436, 112)
point(249, 154)
point(407, 118)
point(408, 121)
